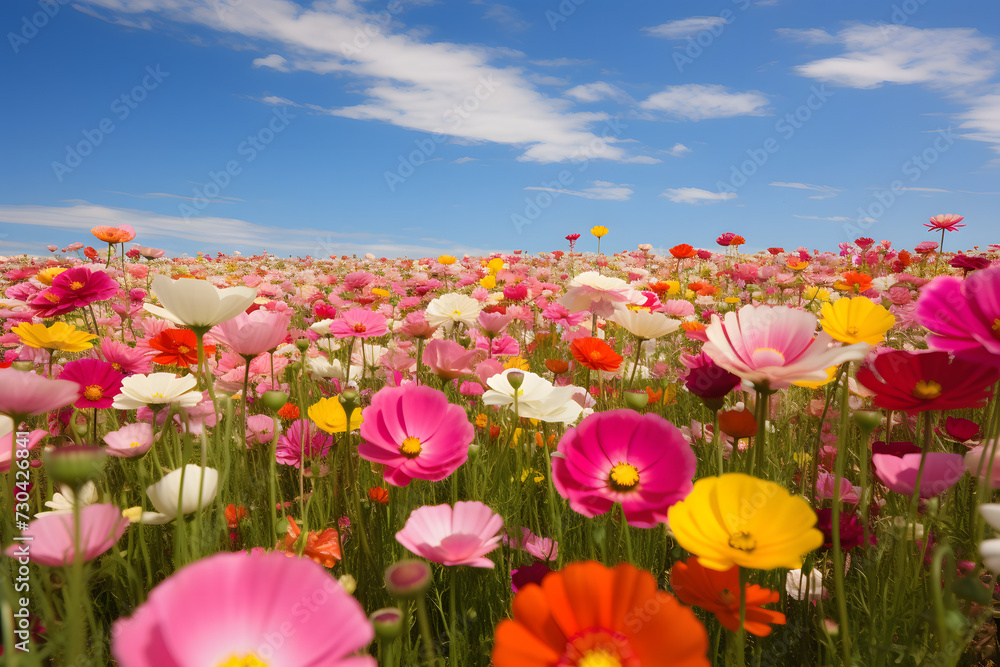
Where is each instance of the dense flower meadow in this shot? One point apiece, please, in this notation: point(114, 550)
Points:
point(568, 459)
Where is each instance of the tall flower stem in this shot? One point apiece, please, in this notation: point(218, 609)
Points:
point(838, 554)
point(937, 260)
point(453, 613)
point(760, 441)
point(741, 633)
point(425, 630)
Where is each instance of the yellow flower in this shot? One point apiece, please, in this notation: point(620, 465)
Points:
point(732, 299)
point(495, 265)
point(831, 373)
point(796, 265)
point(536, 476)
point(45, 276)
point(736, 519)
point(856, 320)
point(689, 294)
point(329, 415)
point(802, 459)
point(60, 336)
point(489, 282)
point(817, 293)
point(518, 363)
point(599, 231)
point(384, 293)
point(446, 260)
point(482, 420)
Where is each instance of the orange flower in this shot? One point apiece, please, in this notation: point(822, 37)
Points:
point(557, 366)
point(234, 515)
point(113, 235)
point(905, 258)
point(289, 411)
point(661, 287)
point(737, 423)
point(683, 251)
point(595, 354)
point(178, 347)
point(588, 614)
point(692, 326)
point(321, 546)
point(719, 593)
point(378, 495)
point(703, 289)
point(737, 240)
point(854, 282)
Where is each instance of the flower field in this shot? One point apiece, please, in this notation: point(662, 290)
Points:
point(576, 458)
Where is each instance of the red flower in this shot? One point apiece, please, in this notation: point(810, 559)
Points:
point(595, 354)
point(378, 495)
point(919, 381)
point(572, 237)
point(864, 242)
point(178, 347)
point(719, 593)
point(683, 251)
point(737, 423)
point(776, 251)
point(289, 411)
point(726, 239)
point(234, 515)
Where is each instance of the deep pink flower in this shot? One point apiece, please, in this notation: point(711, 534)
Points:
point(303, 439)
point(899, 473)
point(99, 382)
point(416, 433)
point(358, 280)
point(963, 315)
point(230, 608)
point(926, 247)
point(25, 393)
point(360, 323)
point(620, 456)
point(125, 359)
point(448, 359)
point(101, 525)
point(459, 536)
point(71, 289)
point(517, 292)
point(254, 333)
point(946, 221)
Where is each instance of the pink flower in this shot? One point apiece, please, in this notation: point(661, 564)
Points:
point(99, 382)
point(360, 323)
point(448, 359)
point(72, 289)
point(25, 393)
point(977, 460)
point(101, 525)
point(945, 221)
point(7, 444)
point(494, 323)
point(130, 441)
point(358, 280)
point(620, 456)
point(541, 548)
point(254, 333)
point(899, 473)
point(230, 608)
point(416, 433)
point(774, 346)
point(926, 247)
point(462, 536)
point(963, 316)
point(260, 430)
point(124, 359)
point(303, 439)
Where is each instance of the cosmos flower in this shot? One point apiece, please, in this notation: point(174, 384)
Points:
point(72, 289)
point(462, 535)
point(302, 440)
point(254, 333)
point(451, 309)
point(359, 323)
point(946, 222)
point(157, 389)
point(25, 393)
point(52, 536)
point(963, 316)
point(130, 440)
point(197, 304)
point(99, 382)
point(197, 483)
point(719, 592)
point(59, 336)
point(856, 320)
point(926, 380)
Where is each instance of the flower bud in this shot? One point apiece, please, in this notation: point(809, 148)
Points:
point(302, 344)
point(867, 420)
point(388, 623)
point(408, 578)
point(74, 465)
point(274, 400)
point(348, 583)
point(516, 379)
point(636, 399)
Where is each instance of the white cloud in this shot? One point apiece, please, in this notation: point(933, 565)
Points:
point(423, 86)
point(463, 160)
point(562, 62)
point(685, 28)
point(875, 55)
point(837, 218)
point(678, 150)
point(601, 190)
point(696, 101)
point(696, 196)
point(274, 61)
point(983, 119)
point(597, 91)
point(825, 191)
point(808, 35)
point(223, 233)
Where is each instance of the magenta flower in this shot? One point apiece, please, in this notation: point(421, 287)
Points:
point(416, 433)
point(448, 359)
point(459, 536)
point(126, 360)
point(25, 393)
point(73, 289)
point(250, 334)
point(620, 456)
point(8, 444)
point(130, 441)
point(899, 473)
point(963, 316)
point(946, 222)
point(98, 380)
point(52, 536)
point(302, 439)
point(360, 323)
point(230, 608)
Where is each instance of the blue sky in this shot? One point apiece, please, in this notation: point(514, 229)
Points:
point(416, 127)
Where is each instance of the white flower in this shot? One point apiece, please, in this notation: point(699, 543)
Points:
point(450, 308)
point(62, 500)
point(558, 407)
point(198, 303)
point(322, 327)
point(320, 367)
point(599, 294)
point(537, 398)
point(164, 494)
point(157, 389)
point(644, 324)
point(801, 587)
point(501, 392)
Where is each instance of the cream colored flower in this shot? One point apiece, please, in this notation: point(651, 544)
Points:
point(157, 389)
point(197, 303)
point(165, 493)
point(449, 309)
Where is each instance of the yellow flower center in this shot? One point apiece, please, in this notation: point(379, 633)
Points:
point(183, 349)
point(157, 394)
point(115, 365)
point(743, 541)
point(599, 658)
point(456, 313)
point(248, 660)
point(54, 298)
point(94, 392)
point(135, 444)
point(926, 390)
point(76, 284)
point(853, 329)
point(996, 325)
point(411, 447)
point(623, 477)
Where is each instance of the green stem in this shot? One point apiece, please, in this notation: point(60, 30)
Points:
point(838, 554)
point(425, 631)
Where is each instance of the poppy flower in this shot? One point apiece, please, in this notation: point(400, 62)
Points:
point(926, 380)
point(726, 239)
point(899, 473)
point(719, 593)
point(707, 380)
point(177, 347)
point(113, 235)
point(51, 535)
point(322, 546)
point(855, 282)
point(775, 250)
point(599, 231)
point(583, 615)
point(59, 336)
point(683, 251)
point(329, 415)
point(234, 515)
point(600, 294)
point(378, 494)
point(595, 354)
point(738, 423)
point(856, 320)
point(99, 382)
point(197, 303)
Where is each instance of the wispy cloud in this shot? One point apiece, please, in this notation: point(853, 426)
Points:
point(597, 91)
point(601, 190)
point(836, 218)
point(220, 199)
point(696, 101)
point(678, 150)
point(684, 28)
point(825, 191)
point(696, 196)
